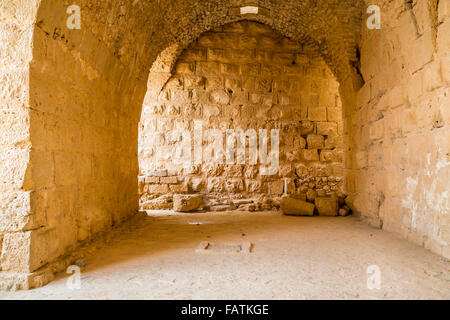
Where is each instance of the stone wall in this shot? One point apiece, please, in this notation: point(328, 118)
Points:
point(399, 133)
point(243, 76)
point(70, 104)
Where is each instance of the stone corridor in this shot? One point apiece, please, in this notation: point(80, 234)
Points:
point(233, 112)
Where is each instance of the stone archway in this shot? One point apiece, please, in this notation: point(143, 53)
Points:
point(239, 79)
point(71, 103)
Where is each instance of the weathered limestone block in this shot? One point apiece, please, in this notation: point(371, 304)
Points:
point(27, 251)
point(251, 172)
point(187, 202)
point(311, 155)
point(175, 83)
point(432, 76)
point(299, 142)
point(254, 186)
point(327, 156)
point(213, 170)
point(333, 142)
point(327, 206)
point(294, 207)
point(286, 170)
point(168, 180)
point(221, 208)
point(209, 68)
point(298, 196)
point(334, 114)
point(239, 202)
point(15, 212)
point(315, 141)
point(377, 130)
point(151, 180)
point(420, 51)
point(215, 184)
point(192, 81)
point(13, 168)
point(158, 189)
point(276, 187)
point(162, 203)
point(14, 128)
point(12, 281)
point(317, 114)
point(179, 188)
point(184, 67)
point(306, 127)
point(197, 183)
point(234, 185)
point(157, 173)
point(14, 93)
point(327, 128)
point(220, 97)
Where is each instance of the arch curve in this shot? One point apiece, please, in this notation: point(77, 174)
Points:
point(77, 95)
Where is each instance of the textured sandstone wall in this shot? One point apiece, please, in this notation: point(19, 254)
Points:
point(72, 104)
point(243, 76)
point(399, 134)
point(16, 29)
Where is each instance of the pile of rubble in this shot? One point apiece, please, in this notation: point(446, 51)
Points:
point(305, 204)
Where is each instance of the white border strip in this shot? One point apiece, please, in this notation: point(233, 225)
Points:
point(249, 10)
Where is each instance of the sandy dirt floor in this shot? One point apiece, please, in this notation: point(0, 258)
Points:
point(155, 257)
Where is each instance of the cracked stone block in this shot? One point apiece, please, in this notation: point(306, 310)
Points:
point(294, 207)
point(187, 202)
point(327, 206)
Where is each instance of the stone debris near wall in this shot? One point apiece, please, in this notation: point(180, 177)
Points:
point(327, 206)
point(187, 202)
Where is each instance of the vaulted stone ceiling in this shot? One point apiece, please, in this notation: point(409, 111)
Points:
point(142, 29)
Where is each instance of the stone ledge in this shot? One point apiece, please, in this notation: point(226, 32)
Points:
point(11, 281)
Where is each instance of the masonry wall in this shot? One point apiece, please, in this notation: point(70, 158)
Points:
point(400, 130)
point(243, 76)
point(16, 30)
point(70, 107)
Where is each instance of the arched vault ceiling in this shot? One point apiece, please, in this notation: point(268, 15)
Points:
point(330, 26)
point(142, 29)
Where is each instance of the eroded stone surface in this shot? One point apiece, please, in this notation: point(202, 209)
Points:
point(187, 202)
point(327, 206)
point(295, 207)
